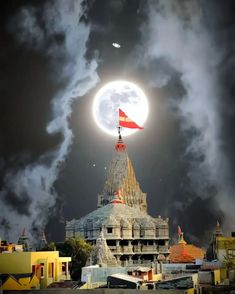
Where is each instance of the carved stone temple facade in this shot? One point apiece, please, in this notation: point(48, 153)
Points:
point(133, 236)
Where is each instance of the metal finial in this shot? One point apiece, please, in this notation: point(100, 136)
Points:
point(120, 146)
point(119, 133)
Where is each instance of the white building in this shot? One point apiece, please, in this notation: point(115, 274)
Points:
point(133, 236)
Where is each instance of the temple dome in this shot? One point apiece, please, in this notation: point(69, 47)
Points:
point(115, 212)
point(185, 253)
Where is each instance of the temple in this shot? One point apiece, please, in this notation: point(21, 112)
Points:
point(121, 178)
point(101, 254)
point(185, 253)
point(133, 236)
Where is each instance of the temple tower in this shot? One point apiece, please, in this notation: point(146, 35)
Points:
point(101, 254)
point(24, 240)
point(121, 179)
point(43, 240)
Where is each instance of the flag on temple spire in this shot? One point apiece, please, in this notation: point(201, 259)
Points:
point(126, 122)
point(179, 231)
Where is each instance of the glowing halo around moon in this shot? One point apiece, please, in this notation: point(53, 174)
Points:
point(124, 95)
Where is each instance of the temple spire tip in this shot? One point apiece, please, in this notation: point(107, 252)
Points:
point(120, 146)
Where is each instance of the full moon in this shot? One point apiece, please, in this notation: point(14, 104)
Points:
point(124, 95)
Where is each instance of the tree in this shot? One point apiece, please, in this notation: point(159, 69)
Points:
point(79, 250)
point(49, 247)
point(229, 263)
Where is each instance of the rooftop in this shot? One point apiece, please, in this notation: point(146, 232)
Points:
point(116, 212)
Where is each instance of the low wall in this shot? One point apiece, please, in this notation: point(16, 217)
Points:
point(98, 291)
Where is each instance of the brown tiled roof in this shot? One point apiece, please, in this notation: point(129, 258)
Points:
point(184, 253)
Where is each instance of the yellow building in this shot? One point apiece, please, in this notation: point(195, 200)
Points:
point(225, 248)
point(47, 266)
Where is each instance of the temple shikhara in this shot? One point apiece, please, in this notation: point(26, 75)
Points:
point(131, 234)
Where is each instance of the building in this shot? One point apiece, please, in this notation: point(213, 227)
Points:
point(222, 247)
point(101, 254)
point(225, 251)
point(225, 247)
point(100, 264)
point(133, 236)
point(145, 273)
point(47, 266)
point(124, 281)
point(211, 253)
point(186, 282)
point(185, 253)
point(9, 247)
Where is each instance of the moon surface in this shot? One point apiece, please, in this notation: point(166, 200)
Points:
point(124, 95)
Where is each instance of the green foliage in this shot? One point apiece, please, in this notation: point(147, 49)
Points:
point(49, 247)
point(79, 250)
point(229, 263)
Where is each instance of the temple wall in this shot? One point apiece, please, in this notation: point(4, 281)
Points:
point(123, 231)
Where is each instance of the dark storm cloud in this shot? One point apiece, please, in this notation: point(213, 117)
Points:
point(20, 203)
point(167, 164)
point(53, 29)
point(173, 157)
point(175, 37)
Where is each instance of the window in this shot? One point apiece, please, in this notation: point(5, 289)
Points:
point(33, 269)
point(42, 270)
point(63, 268)
point(109, 230)
point(231, 253)
point(123, 243)
point(161, 242)
point(51, 270)
point(111, 242)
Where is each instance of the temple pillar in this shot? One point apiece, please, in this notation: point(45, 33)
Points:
point(118, 259)
point(67, 270)
point(118, 246)
point(139, 247)
point(129, 245)
point(155, 245)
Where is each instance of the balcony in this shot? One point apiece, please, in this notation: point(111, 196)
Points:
point(127, 249)
point(136, 248)
point(149, 248)
point(163, 249)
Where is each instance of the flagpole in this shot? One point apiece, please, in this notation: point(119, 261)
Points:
point(119, 133)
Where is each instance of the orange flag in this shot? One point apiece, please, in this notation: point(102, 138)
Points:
point(179, 231)
point(126, 122)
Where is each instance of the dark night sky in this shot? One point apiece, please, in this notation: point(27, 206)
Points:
point(55, 55)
